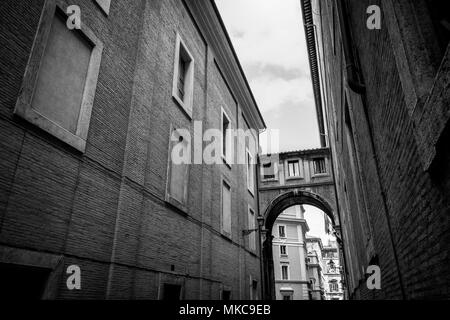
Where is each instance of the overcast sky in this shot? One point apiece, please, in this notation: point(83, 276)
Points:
point(269, 39)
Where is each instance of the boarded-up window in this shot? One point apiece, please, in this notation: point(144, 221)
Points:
point(226, 209)
point(178, 173)
point(62, 76)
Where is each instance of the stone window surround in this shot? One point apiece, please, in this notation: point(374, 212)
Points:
point(23, 106)
point(285, 264)
point(300, 167)
point(186, 104)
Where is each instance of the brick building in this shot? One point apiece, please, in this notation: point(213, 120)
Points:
point(382, 98)
point(87, 120)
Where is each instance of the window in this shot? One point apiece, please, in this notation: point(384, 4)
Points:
point(226, 137)
point(284, 272)
point(183, 79)
point(268, 171)
point(226, 209)
point(293, 168)
point(171, 292)
point(104, 4)
point(283, 250)
point(287, 297)
point(282, 231)
point(251, 226)
point(334, 287)
point(253, 289)
point(250, 173)
point(59, 85)
point(319, 166)
point(178, 174)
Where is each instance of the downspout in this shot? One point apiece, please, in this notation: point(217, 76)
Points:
point(261, 262)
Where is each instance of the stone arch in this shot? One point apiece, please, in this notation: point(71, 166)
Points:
point(273, 210)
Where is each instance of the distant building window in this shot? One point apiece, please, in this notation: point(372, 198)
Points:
point(226, 209)
point(178, 174)
point(284, 272)
point(293, 168)
point(183, 79)
point(287, 297)
point(282, 231)
point(60, 82)
point(226, 137)
point(334, 286)
point(250, 173)
point(171, 292)
point(320, 166)
point(251, 226)
point(283, 250)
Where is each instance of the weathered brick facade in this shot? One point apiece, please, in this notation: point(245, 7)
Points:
point(105, 210)
point(385, 96)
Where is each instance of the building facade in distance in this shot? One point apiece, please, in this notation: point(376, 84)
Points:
point(314, 264)
point(289, 247)
point(332, 272)
point(89, 121)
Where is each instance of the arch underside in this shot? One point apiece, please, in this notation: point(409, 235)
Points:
point(292, 198)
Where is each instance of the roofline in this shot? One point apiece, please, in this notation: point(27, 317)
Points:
point(313, 64)
point(222, 24)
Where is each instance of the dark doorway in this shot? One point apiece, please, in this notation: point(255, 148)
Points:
point(22, 282)
point(172, 292)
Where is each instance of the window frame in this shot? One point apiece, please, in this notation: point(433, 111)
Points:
point(285, 231)
point(250, 167)
point(287, 272)
point(23, 107)
point(186, 103)
point(285, 254)
point(227, 156)
point(222, 230)
point(300, 169)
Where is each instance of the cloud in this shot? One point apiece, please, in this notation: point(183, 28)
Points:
point(268, 36)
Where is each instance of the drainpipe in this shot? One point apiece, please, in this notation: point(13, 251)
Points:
point(261, 262)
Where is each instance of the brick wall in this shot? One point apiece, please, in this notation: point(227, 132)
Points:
point(105, 210)
point(391, 208)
